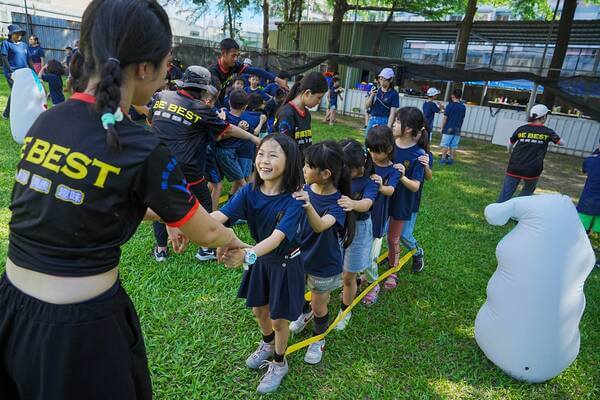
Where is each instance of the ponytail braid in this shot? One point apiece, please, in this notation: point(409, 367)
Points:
point(108, 98)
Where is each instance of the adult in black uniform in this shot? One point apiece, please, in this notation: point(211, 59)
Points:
point(86, 179)
point(186, 121)
point(227, 66)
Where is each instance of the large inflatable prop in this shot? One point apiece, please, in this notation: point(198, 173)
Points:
point(27, 102)
point(529, 324)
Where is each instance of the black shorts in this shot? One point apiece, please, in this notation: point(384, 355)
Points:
point(199, 188)
point(277, 281)
point(92, 350)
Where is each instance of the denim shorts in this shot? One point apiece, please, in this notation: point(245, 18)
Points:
point(450, 141)
point(319, 284)
point(229, 164)
point(358, 255)
point(246, 164)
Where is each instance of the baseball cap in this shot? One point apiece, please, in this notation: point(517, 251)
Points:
point(387, 73)
point(538, 111)
point(432, 92)
point(247, 61)
point(198, 77)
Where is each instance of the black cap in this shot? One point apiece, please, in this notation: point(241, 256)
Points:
point(198, 77)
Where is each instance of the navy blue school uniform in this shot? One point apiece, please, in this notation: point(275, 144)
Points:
point(384, 101)
point(430, 108)
point(380, 210)
point(231, 142)
point(323, 253)
point(277, 278)
point(248, 150)
point(417, 203)
point(589, 201)
point(333, 97)
point(17, 54)
point(56, 87)
point(271, 89)
point(364, 188)
point(258, 90)
point(455, 114)
point(403, 200)
point(36, 54)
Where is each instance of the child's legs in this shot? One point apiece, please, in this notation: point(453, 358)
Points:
point(408, 238)
point(160, 234)
point(282, 334)
point(332, 116)
point(394, 234)
point(215, 194)
point(372, 272)
point(264, 321)
point(529, 186)
point(237, 185)
point(508, 188)
point(349, 291)
point(319, 302)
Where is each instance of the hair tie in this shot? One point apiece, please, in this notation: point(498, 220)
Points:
point(111, 118)
point(112, 59)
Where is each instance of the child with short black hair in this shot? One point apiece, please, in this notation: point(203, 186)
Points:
point(273, 280)
point(52, 73)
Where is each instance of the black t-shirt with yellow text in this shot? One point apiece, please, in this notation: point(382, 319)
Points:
point(530, 145)
point(295, 123)
point(186, 126)
point(75, 202)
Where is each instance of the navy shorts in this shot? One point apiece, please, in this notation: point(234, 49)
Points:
point(228, 163)
point(277, 281)
point(213, 175)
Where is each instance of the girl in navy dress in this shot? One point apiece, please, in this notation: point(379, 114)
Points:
point(326, 232)
point(273, 280)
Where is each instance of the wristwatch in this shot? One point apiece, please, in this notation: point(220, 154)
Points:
point(249, 258)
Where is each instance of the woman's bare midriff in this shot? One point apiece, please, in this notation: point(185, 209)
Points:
point(60, 289)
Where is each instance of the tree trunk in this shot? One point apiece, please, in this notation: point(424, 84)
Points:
point(382, 27)
point(340, 7)
point(286, 10)
point(298, 18)
point(465, 33)
point(560, 49)
point(230, 20)
point(265, 41)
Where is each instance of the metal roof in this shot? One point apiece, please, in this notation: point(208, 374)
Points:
point(583, 32)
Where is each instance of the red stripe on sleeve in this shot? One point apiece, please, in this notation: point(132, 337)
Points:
point(186, 217)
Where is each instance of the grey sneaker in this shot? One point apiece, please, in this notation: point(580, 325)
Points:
point(314, 354)
point(262, 354)
point(342, 325)
point(272, 379)
point(298, 325)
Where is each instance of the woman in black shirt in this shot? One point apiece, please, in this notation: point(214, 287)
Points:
point(87, 177)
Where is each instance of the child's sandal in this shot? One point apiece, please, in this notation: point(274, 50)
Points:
point(371, 297)
point(391, 282)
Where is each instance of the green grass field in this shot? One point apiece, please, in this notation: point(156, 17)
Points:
point(415, 343)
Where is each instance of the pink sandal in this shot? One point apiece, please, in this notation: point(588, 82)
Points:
point(391, 282)
point(371, 297)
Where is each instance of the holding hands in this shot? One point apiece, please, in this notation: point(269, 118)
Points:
point(302, 195)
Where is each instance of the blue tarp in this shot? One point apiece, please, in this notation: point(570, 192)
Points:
point(517, 84)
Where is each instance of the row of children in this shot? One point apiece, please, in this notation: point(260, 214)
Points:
point(320, 226)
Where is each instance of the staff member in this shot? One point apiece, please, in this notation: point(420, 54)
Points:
point(227, 65)
point(14, 55)
point(68, 330)
point(36, 53)
point(384, 101)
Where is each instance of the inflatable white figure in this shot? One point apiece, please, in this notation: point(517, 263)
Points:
point(27, 102)
point(529, 325)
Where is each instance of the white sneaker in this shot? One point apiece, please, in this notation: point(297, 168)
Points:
point(260, 355)
point(272, 379)
point(298, 325)
point(314, 354)
point(342, 324)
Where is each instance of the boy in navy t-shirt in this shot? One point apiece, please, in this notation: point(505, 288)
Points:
point(451, 126)
point(430, 108)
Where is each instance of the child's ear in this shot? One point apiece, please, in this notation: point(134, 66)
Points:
point(326, 174)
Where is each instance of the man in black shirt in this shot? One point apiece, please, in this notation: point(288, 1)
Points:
point(529, 144)
point(227, 65)
point(186, 121)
